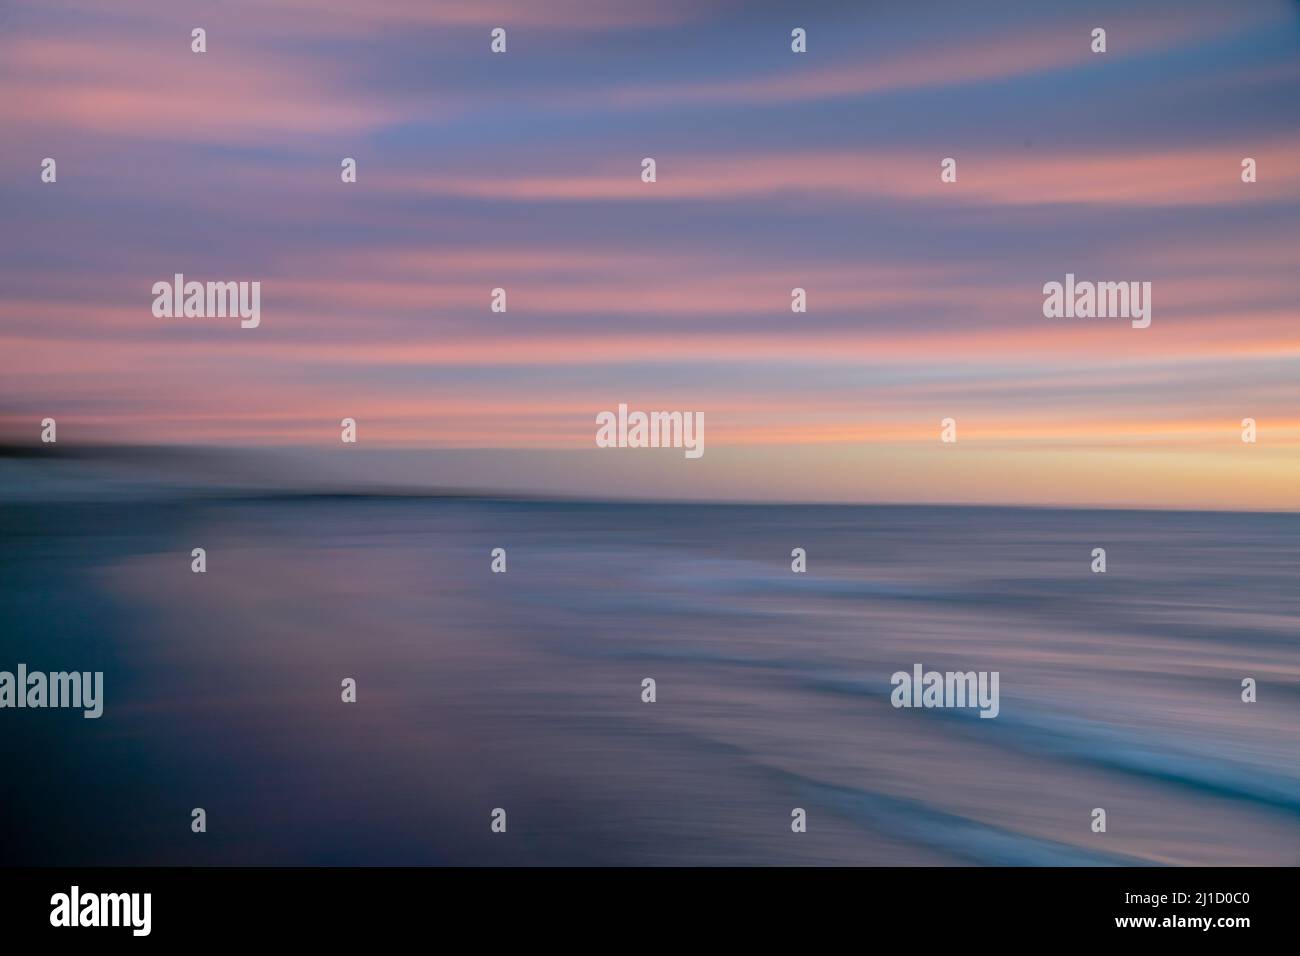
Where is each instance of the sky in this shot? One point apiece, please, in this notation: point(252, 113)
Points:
point(775, 170)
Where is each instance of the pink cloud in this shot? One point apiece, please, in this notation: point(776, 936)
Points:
point(1160, 177)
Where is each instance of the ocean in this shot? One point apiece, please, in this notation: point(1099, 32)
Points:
point(522, 691)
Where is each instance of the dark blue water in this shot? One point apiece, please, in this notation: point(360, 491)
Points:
point(523, 690)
